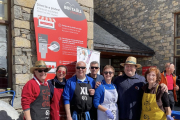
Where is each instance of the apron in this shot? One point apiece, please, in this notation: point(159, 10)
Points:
point(81, 102)
point(150, 109)
point(110, 102)
point(57, 105)
point(40, 108)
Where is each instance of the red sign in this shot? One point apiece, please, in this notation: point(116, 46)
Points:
point(60, 26)
point(145, 68)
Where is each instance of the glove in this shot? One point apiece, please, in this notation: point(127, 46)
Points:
point(109, 114)
point(169, 117)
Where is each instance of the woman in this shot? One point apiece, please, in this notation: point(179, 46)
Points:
point(155, 103)
point(35, 99)
point(106, 96)
point(56, 89)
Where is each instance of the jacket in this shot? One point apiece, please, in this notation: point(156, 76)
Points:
point(164, 80)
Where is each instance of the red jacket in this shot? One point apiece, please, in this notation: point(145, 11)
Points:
point(164, 80)
point(30, 92)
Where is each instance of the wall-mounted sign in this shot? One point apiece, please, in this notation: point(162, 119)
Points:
point(60, 26)
point(145, 68)
point(87, 56)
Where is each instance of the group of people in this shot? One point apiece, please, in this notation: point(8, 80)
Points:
point(95, 97)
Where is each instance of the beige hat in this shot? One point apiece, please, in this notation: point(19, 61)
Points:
point(39, 64)
point(132, 61)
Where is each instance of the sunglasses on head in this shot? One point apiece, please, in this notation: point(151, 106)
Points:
point(60, 71)
point(40, 70)
point(80, 67)
point(108, 72)
point(94, 67)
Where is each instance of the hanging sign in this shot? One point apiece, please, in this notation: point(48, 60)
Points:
point(60, 26)
point(87, 56)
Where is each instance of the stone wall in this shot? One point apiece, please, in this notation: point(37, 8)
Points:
point(149, 21)
point(24, 44)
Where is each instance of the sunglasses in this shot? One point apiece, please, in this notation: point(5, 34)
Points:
point(40, 70)
point(108, 72)
point(59, 71)
point(80, 67)
point(94, 67)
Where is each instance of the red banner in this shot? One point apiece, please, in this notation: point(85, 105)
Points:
point(60, 26)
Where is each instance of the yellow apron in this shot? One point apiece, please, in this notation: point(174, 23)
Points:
point(150, 109)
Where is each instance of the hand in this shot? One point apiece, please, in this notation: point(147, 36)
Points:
point(97, 84)
point(169, 117)
point(91, 91)
point(109, 114)
point(176, 88)
point(164, 87)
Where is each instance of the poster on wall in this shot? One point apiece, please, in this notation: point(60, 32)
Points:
point(87, 56)
point(145, 68)
point(60, 26)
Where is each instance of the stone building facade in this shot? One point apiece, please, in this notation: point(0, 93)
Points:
point(149, 21)
point(24, 44)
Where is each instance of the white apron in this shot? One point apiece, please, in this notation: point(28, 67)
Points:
point(110, 102)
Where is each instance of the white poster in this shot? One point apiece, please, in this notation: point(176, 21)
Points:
point(87, 56)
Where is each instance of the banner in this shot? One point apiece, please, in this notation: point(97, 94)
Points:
point(87, 56)
point(60, 26)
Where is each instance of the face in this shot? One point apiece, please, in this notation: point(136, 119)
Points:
point(151, 77)
point(108, 74)
point(172, 68)
point(81, 70)
point(129, 70)
point(61, 73)
point(94, 69)
point(41, 74)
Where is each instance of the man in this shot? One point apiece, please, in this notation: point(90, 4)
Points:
point(129, 90)
point(35, 99)
point(94, 68)
point(168, 78)
point(78, 93)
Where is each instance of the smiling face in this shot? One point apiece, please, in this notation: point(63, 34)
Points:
point(61, 73)
point(108, 74)
point(40, 75)
point(81, 70)
point(94, 68)
point(129, 70)
point(151, 77)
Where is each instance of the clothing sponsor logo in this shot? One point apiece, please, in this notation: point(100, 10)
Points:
point(84, 91)
point(45, 94)
point(47, 112)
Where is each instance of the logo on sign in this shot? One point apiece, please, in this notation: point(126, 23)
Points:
point(52, 65)
point(68, 6)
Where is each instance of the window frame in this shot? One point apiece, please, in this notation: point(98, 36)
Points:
point(9, 42)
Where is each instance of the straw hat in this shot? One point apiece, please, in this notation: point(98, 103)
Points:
point(39, 64)
point(132, 61)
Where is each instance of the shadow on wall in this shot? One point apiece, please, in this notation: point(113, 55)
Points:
point(5, 116)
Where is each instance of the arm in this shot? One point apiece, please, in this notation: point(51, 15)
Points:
point(27, 115)
point(68, 112)
point(100, 107)
point(168, 110)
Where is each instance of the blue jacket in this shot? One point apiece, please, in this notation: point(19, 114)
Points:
point(99, 94)
point(98, 79)
point(71, 86)
point(130, 96)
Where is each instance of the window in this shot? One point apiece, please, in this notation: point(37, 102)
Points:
point(5, 45)
point(177, 34)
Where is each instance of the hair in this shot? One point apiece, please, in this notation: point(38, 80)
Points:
point(157, 72)
point(107, 67)
point(61, 66)
point(94, 62)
